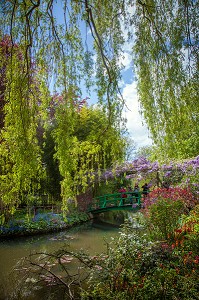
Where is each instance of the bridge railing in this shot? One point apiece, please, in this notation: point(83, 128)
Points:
point(116, 200)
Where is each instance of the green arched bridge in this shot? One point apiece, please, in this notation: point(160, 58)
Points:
point(117, 201)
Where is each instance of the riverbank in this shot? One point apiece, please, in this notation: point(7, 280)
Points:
point(41, 223)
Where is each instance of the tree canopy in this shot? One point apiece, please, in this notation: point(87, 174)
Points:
point(62, 46)
point(70, 39)
point(166, 56)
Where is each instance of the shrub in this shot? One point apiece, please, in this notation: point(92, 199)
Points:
point(163, 208)
point(163, 218)
point(186, 238)
point(176, 193)
point(136, 268)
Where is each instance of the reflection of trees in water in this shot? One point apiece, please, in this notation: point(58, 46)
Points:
point(113, 217)
point(57, 275)
point(117, 218)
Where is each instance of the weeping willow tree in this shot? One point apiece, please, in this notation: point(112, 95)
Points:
point(166, 54)
point(63, 45)
point(44, 47)
point(19, 151)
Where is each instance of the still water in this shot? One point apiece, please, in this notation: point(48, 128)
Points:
point(90, 237)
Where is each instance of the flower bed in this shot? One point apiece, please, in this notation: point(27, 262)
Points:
point(40, 223)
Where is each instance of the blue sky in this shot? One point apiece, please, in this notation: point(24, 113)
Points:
point(135, 123)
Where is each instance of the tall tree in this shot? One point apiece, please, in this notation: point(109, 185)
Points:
point(82, 151)
point(55, 50)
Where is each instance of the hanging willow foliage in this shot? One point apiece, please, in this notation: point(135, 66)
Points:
point(49, 36)
point(166, 56)
point(65, 44)
point(81, 150)
point(19, 151)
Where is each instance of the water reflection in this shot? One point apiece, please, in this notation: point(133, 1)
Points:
point(90, 237)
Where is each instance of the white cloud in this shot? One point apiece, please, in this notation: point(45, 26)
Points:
point(125, 60)
point(138, 131)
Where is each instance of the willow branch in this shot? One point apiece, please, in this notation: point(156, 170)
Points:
point(29, 31)
point(105, 60)
point(56, 36)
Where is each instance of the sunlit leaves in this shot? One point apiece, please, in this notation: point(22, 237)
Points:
point(81, 149)
point(20, 154)
point(166, 63)
point(66, 43)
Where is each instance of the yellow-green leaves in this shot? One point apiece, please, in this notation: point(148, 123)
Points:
point(85, 145)
point(19, 151)
point(167, 68)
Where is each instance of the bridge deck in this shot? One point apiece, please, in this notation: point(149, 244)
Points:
point(124, 201)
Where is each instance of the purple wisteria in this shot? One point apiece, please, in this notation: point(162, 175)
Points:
point(186, 171)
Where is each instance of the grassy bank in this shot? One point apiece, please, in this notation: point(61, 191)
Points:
point(24, 224)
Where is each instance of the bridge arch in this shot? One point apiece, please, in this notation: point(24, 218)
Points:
point(118, 201)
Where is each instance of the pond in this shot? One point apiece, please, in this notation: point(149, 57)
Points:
point(90, 237)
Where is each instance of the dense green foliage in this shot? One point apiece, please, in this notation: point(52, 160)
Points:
point(62, 46)
point(166, 56)
point(36, 129)
point(84, 150)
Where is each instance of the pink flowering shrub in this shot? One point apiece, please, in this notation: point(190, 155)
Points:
point(176, 193)
point(163, 209)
